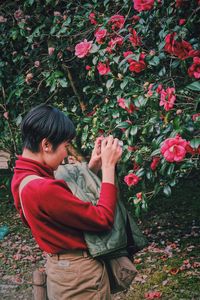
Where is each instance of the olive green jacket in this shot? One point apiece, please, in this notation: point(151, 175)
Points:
point(125, 232)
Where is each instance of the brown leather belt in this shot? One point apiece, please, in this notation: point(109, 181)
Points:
point(69, 253)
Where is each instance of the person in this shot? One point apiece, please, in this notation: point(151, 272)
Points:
point(56, 217)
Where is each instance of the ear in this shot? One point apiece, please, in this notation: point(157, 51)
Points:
point(46, 145)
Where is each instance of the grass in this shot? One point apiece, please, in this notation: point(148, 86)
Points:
point(170, 265)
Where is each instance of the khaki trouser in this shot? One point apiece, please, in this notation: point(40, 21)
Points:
point(76, 276)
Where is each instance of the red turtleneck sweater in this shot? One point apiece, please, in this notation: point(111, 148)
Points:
point(55, 216)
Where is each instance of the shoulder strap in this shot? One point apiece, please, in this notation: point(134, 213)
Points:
point(23, 183)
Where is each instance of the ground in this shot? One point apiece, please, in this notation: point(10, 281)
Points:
point(169, 268)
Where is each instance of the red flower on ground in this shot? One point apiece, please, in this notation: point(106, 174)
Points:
point(103, 68)
point(141, 5)
point(167, 98)
point(194, 69)
point(117, 21)
point(153, 295)
point(174, 149)
point(100, 34)
point(131, 179)
point(83, 48)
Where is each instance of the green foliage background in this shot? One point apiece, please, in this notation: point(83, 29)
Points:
point(29, 28)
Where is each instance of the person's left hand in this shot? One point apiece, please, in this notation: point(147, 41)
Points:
point(95, 160)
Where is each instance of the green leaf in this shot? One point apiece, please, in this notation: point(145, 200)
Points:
point(134, 130)
point(154, 61)
point(155, 152)
point(195, 143)
point(170, 170)
point(123, 125)
point(123, 84)
point(167, 190)
point(194, 86)
point(109, 83)
point(94, 48)
point(140, 101)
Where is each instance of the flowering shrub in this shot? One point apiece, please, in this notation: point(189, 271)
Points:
point(127, 68)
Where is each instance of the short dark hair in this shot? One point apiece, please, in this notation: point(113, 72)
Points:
point(45, 121)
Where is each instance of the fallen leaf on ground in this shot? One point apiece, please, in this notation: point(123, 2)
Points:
point(153, 295)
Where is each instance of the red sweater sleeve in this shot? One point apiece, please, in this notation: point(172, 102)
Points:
point(65, 208)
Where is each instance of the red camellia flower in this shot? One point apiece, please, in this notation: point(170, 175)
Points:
point(131, 179)
point(195, 116)
point(88, 67)
point(121, 102)
point(135, 19)
point(180, 49)
point(100, 34)
point(117, 21)
point(155, 163)
point(174, 149)
point(167, 98)
point(83, 48)
point(134, 38)
point(138, 66)
point(194, 69)
point(103, 68)
point(182, 22)
point(179, 3)
point(92, 18)
point(141, 5)
point(118, 40)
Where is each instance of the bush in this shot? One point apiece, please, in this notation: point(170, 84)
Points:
point(116, 67)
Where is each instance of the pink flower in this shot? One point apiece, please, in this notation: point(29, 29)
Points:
point(195, 116)
point(92, 18)
point(155, 163)
point(103, 68)
point(141, 5)
point(117, 21)
point(116, 41)
point(83, 48)
point(159, 89)
point(51, 51)
point(139, 195)
point(100, 34)
point(182, 22)
point(6, 115)
point(131, 179)
point(167, 98)
point(121, 103)
point(88, 67)
point(37, 63)
point(194, 69)
point(174, 149)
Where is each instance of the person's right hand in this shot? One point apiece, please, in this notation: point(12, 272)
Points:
point(111, 152)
